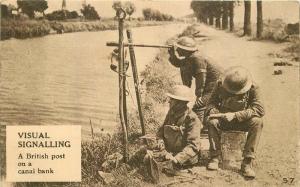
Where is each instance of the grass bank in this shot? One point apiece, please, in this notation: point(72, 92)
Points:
point(273, 30)
point(22, 29)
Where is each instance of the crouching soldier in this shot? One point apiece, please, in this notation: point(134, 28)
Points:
point(235, 104)
point(180, 133)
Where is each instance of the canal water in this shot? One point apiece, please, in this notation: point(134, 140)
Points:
point(66, 79)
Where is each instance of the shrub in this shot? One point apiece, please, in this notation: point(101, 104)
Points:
point(152, 14)
point(23, 29)
point(294, 49)
point(94, 153)
point(89, 12)
point(62, 15)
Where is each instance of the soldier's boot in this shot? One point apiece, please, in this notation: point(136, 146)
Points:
point(213, 164)
point(247, 169)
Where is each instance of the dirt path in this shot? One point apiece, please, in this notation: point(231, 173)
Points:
point(277, 153)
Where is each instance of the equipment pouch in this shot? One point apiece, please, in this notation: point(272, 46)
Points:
point(173, 137)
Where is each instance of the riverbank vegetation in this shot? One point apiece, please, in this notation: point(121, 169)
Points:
point(22, 29)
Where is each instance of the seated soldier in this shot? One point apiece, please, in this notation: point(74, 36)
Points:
point(180, 133)
point(235, 104)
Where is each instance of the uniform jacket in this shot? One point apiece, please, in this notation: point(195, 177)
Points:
point(181, 134)
point(191, 67)
point(245, 106)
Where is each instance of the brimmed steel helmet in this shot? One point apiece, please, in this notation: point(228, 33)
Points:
point(186, 43)
point(181, 92)
point(237, 80)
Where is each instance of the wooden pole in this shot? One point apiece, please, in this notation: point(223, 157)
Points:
point(136, 80)
point(121, 15)
point(114, 44)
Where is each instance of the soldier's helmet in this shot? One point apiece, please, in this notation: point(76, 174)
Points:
point(181, 92)
point(186, 43)
point(237, 80)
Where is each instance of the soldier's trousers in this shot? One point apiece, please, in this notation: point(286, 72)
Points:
point(253, 127)
point(200, 113)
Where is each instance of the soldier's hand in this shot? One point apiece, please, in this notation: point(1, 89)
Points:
point(214, 111)
point(169, 156)
point(199, 103)
point(149, 153)
point(160, 144)
point(171, 51)
point(229, 116)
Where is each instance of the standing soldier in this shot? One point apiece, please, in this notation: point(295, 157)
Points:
point(184, 55)
point(235, 104)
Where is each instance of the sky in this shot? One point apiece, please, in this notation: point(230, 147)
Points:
point(286, 10)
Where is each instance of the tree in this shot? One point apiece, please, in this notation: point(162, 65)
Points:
point(129, 8)
point(216, 9)
point(89, 12)
point(30, 6)
point(152, 14)
point(4, 11)
point(210, 10)
point(64, 5)
point(231, 15)
point(225, 9)
point(116, 5)
point(200, 9)
point(247, 18)
point(259, 22)
point(147, 12)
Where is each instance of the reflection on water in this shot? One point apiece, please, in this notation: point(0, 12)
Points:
point(66, 79)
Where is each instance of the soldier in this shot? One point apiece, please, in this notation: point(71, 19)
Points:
point(184, 55)
point(180, 133)
point(235, 104)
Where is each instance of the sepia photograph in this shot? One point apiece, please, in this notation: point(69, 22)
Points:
point(133, 93)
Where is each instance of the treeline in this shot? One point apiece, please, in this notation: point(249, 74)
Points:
point(152, 14)
point(31, 8)
point(221, 14)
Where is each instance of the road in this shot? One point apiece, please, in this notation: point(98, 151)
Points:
point(277, 152)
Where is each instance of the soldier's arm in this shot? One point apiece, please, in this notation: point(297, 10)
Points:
point(192, 147)
point(173, 59)
point(200, 68)
point(214, 100)
point(255, 108)
point(200, 79)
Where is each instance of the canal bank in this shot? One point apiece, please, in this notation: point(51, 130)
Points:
point(22, 29)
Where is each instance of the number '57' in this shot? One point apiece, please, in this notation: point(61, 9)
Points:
point(288, 180)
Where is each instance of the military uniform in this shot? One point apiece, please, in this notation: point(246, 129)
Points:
point(181, 134)
point(192, 67)
point(248, 110)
